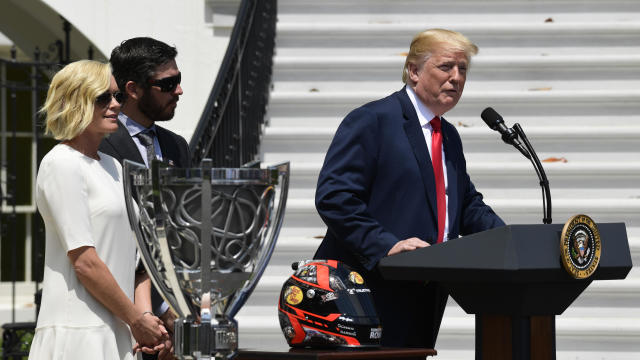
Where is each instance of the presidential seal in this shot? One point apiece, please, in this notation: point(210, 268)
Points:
point(580, 246)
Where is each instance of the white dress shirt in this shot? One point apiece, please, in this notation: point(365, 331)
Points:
point(424, 117)
point(134, 129)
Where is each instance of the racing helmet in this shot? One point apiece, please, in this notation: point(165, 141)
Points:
point(325, 303)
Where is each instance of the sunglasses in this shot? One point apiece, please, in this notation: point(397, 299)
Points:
point(167, 84)
point(104, 99)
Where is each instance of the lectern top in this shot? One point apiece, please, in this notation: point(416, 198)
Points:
point(512, 253)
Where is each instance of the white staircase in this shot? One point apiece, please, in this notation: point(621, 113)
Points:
point(568, 71)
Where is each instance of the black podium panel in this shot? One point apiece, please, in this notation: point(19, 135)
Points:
point(512, 278)
point(511, 270)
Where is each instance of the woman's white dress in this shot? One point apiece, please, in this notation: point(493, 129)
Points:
point(82, 203)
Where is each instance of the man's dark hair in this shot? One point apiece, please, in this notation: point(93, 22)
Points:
point(136, 60)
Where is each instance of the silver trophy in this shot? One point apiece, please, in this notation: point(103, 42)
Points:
point(205, 236)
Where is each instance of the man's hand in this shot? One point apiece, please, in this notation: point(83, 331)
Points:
point(164, 349)
point(407, 245)
point(147, 329)
point(148, 350)
point(167, 352)
point(168, 318)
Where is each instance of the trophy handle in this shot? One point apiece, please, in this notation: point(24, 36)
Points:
point(181, 305)
point(241, 297)
point(174, 298)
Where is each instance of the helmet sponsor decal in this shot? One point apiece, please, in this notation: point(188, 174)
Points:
point(293, 295)
point(329, 296)
point(355, 278)
point(346, 327)
point(376, 333)
point(357, 290)
point(347, 330)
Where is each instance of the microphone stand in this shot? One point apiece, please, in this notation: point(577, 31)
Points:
point(544, 182)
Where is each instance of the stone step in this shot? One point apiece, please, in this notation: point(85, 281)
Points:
point(585, 97)
point(525, 192)
point(604, 206)
point(518, 173)
point(520, 9)
point(295, 122)
point(495, 52)
point(523, 59)
point(472, 86)
point(592, 102)
point(302, 212)
point(502, 155)
point(600, 170)
point(504, 32)
point(318, 65)
point(397, 16)
point(480, 138)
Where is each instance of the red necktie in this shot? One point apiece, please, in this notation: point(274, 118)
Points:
point(436, 160)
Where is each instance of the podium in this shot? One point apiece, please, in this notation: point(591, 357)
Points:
point(512, 279)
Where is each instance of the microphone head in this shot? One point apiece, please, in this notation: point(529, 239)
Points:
point(491, 118)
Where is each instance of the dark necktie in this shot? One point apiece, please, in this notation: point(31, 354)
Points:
point(146, 139)
point(436, 160)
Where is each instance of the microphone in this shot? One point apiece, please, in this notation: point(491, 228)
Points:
point(495, 122)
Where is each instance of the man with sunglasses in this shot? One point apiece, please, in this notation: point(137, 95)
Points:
point(149, 82)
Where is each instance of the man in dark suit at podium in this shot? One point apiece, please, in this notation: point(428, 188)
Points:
point(395, 179)
point(147, 74)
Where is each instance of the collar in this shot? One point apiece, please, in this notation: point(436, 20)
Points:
point(132, 126)
point(424, 114)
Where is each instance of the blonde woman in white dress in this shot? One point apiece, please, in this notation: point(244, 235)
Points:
point(92, 299)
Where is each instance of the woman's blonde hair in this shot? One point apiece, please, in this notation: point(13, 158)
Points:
point(71, 97)
point(427, 42)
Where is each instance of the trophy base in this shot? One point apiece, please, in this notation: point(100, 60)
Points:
point(205, 340)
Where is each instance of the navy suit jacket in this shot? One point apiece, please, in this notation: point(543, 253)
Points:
point(377, 187)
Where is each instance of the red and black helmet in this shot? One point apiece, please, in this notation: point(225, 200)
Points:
point(327, 304)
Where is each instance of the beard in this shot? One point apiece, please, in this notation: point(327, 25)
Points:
point(154, 109)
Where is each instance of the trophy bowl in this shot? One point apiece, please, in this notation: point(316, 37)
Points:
point(205, 236)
